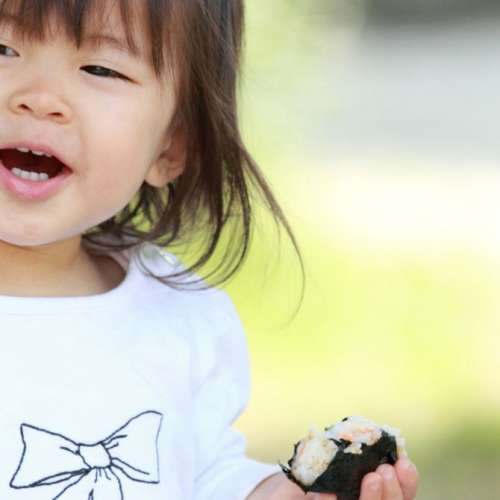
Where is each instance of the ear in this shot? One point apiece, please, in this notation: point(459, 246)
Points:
point(171, 161)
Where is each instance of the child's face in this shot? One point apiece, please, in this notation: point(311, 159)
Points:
point(111, 132)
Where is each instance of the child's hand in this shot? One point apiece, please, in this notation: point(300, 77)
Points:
point(386, 483)
point(399, 482)
point(391, 483)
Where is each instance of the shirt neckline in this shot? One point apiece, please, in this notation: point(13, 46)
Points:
point(49, 305)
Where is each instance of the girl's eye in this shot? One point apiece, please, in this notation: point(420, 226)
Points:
point(104, 72)
point(7, 51)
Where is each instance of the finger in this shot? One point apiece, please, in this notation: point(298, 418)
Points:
point(392, 490)
point(371, 487)
point(408, 478)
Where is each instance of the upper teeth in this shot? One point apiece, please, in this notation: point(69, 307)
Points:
point(38, 153)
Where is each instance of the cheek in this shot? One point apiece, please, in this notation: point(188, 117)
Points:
point(118, 154)
point(117, 177)
point(126, 135)
point(122, 142)
point(117, 186)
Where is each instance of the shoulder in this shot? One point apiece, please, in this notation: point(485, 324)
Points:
point(204, 305)
point(202, 318)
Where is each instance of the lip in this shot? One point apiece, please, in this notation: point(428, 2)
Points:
point(33, 190)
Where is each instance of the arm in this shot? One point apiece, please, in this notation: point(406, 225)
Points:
point(387, 483)
point(220, 393)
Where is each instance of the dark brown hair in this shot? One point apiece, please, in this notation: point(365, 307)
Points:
point(199, 40)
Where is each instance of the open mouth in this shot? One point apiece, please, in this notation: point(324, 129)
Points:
point(31, 166)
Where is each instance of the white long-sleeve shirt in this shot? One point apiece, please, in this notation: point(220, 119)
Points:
point(126, 395)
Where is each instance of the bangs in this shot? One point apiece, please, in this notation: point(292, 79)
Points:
point(32, 20)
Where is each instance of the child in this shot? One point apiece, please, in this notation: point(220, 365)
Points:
point(119, 136)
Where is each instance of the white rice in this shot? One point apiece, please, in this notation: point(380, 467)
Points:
point(316, 451)
point(313, 455)
point(354, 449)
point(357, 430)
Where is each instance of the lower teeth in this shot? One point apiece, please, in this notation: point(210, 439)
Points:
point(32, 176)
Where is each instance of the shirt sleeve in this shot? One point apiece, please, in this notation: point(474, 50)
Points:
point(220, 395)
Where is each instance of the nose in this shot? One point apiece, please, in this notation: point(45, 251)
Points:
point(41, 104)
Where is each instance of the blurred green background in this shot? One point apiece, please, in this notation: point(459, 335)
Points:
point(376, 124)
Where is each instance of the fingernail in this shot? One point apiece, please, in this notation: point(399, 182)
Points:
point(404, 463)
point(387, 473)
point(407, 465)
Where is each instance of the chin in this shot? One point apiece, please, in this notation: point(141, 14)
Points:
point(26, 240)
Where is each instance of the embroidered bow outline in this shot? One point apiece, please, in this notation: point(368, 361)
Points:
point(92, 470)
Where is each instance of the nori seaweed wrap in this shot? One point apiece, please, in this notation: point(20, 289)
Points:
point(336, 460)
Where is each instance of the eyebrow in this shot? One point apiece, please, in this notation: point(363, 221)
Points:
point(97, 40)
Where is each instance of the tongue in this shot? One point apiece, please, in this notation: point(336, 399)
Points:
point(28, 161)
